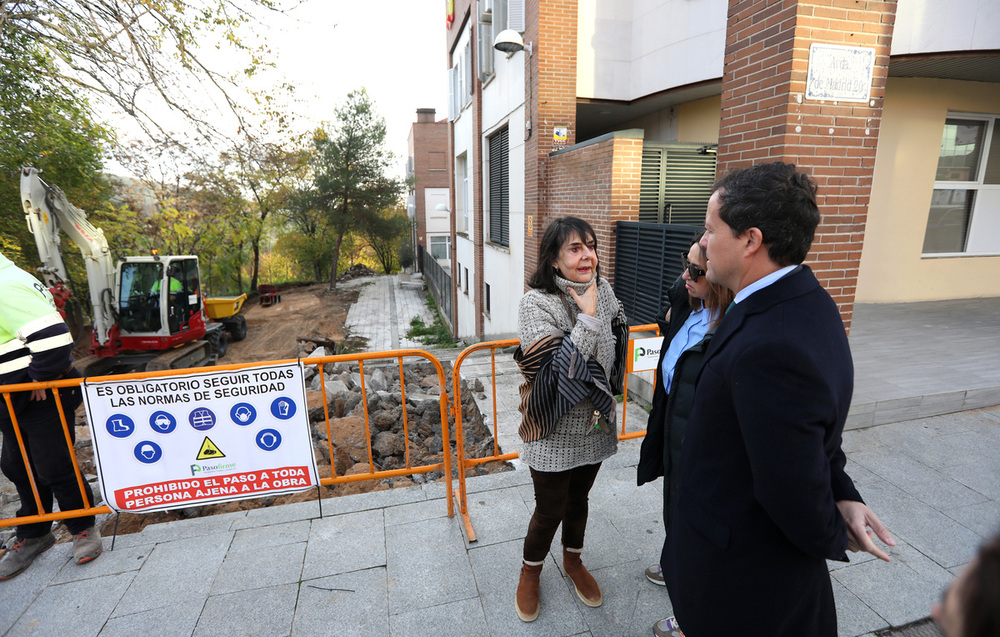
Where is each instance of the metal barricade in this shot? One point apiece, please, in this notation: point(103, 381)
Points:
point(445, 466)
point(462, 463)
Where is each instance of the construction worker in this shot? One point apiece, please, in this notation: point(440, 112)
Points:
point(35, 345)
point(176, 303)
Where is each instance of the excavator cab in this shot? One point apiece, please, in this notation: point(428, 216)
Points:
point(159, 296)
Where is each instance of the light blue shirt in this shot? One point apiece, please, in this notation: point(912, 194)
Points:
point(763, 282)
point(690, 334)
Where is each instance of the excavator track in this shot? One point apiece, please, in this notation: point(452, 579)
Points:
point(193, 354)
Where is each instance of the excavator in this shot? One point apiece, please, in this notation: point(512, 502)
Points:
point(149, 313)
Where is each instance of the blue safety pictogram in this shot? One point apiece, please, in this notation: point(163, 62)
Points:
point(162, 422)
point(148, 452)
point(243, 414)
point(202, 419)
point(120, 426)
point(283, 408)
point(268, 439)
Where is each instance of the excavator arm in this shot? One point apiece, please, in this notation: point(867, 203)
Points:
point(46, 210)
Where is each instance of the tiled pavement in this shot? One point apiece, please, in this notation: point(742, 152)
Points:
point(393, 563)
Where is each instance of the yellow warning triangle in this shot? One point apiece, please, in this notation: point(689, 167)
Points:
point(209, 451)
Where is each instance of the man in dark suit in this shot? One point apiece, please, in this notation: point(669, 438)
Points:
point(763, 497)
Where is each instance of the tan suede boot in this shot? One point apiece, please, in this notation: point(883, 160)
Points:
point(527, 604)
point(586, 586)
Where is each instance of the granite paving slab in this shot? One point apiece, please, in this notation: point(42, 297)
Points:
point(120, 560)
point(854, 617)
point(415, 512)
point(353, 604)
point(179, 530)
point(939, 537)
point(253, 568)
point(344, 543)
point(177, 572)
point(93, 601)
point(427, 565)
point(924, 483)
point(169, 621)
point(456, 619)
point(262, 612)
point(266, 516)
point(271, 535)
point(899, 590)
point(18, 593)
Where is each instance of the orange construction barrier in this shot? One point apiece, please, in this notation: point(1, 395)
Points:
point(462, 462)
point(444, 466)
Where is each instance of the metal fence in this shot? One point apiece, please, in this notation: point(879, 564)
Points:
point(441, 463)
point(439, 283)
point(647, 262)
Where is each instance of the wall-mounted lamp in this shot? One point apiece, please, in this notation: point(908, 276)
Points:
point(710, 149)
point(509, 41)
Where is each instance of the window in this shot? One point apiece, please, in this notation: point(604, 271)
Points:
point(460, 78)
point(499, 188)
point(465, 286)
point(463, 222)
point(440, 247)
point(487, 298)
point(964, 215)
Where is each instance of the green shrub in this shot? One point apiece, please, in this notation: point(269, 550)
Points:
point(435, 334)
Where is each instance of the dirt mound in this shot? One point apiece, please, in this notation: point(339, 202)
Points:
point(356, 271)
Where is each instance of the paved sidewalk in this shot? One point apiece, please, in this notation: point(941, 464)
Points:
point(393, 563)
point(383, 311)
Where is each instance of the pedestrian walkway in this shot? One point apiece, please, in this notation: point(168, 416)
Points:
point(383, 312)
point(393, 563)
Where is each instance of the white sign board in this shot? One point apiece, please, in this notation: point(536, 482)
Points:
point(645, 353)
point(201, 438)
point(840, 73)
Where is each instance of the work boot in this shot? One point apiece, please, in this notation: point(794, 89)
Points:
point(22, 553)
point(527, 604)
point(87, 545)
point(586, 586)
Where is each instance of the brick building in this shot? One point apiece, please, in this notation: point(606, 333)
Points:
point(623, 112)
point(427, 165)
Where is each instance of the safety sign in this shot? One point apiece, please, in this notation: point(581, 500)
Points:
point(645, 353)
point(201, 438)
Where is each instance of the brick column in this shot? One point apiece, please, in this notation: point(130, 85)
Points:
point(550, 96)
point(765, 116)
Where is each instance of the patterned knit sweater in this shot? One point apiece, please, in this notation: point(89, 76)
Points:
point(574, 442)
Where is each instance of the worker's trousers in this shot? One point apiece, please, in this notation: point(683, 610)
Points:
point(48, 454)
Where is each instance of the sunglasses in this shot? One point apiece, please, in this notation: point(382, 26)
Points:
point(693, 271)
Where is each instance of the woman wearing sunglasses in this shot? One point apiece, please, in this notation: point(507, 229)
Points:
point(696, 309)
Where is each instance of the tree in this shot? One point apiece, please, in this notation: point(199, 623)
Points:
point(137, 53)
point(383, 231)
point(305, 236)
point(269, 173)
point(349, 166)
point(51, 131)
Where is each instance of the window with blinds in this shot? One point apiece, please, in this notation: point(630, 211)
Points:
point(498, 181)
point(676, 183)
